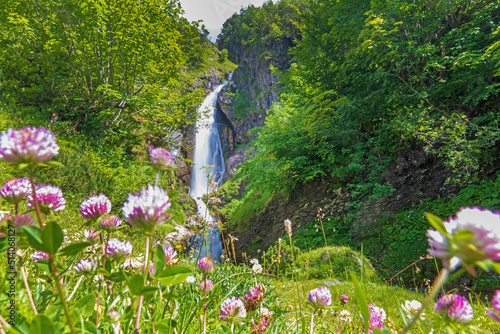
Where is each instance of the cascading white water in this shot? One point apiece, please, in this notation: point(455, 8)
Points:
point(208, 167)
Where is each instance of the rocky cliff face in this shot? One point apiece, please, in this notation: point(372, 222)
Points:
point(254, 88)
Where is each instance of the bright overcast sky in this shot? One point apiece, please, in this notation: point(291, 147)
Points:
point(214, 12)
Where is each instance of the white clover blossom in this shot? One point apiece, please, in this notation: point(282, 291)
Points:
point(257, 268)
point(28, 145)
point(254, 261)
point(49, 197)
point(118, 249)
point(320, 297)
point(288, 227)
point(412, 307)
point(345, 316)
point(85, 265)
point(232, 310)
point(15, 190)
point(148, 209)
point(190, 279)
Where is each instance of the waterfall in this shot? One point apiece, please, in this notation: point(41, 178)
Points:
point(207, 173)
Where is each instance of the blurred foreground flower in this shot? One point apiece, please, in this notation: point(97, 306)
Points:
point(320, 297)
point(49, 197)
point(455, 308)
point(29, 146)
point(15, 190)
point(471, 238)
point(232, 311)
point(23, 219)
point(95, 206)
point(147, 210)
point(495, 304)
point(161, 158)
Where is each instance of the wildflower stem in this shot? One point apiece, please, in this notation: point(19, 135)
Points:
point(26, 285)
point(438, 283)
point(141, 298)
point(35, 200)
point(60, 291)
point(312, 322)
point(100, 281)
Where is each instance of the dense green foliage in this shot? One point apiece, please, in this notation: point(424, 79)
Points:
point(261, 28)
point(369, 81)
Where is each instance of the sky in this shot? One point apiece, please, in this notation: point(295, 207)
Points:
point(214, 12)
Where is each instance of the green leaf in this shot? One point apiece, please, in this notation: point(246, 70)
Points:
point(361, 301)
point(174, 275)
point(437, 223)
point(55, 163)
point(52, 237)
point(34, 234)
point(381, 331)
point(116, 277)
point(137, 287)
point(41, 324)
point(4, 244)
point(74, 248)
point(135, 284)
point(84, 306)
point(165, 325)
point(496, 267)
point(160, 259)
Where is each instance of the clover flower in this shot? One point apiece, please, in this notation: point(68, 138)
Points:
point(91, 235)
point(15, 190)
point(257, 268)
point(170, 254)
point(39, 255)
point(110, 222)
point(207, 285)
point(495, 304)
point(206, 265)
point(161, 158)
point(288, 227)
point(49, 197)
point(320, 297)
point(85, 265)
point(232, 310)
point(377, 318)
point(95, 206)
point(254, 261)
point(28, 145)
point(473, 236)
point(172, 236)
point(345, 316)
point(261, 326)
point(253, 298)
point(151, 268)
point(118, 249)
point(132, 262)
point(455, 308)
point(344, 299)
point(148, 209)
point(23, 220)
point(412, 307)
point(190, 279)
